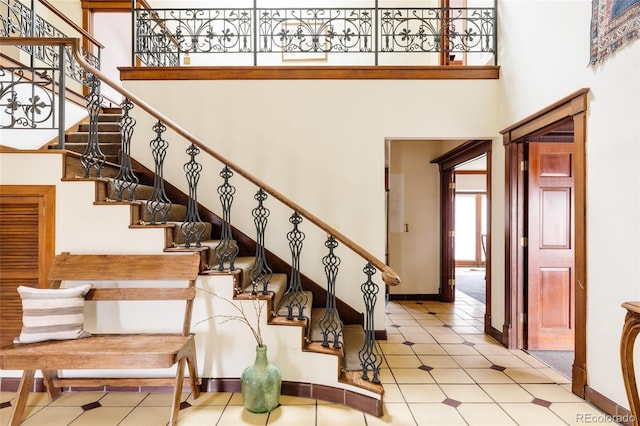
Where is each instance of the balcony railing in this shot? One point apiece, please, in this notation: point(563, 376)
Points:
point(17, 19)
point(327, 36)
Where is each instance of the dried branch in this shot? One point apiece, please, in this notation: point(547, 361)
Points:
point(242, 317)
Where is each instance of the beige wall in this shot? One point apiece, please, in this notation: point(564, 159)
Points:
point(414, 252)
point(320, 143)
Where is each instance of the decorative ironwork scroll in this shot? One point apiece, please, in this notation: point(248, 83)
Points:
point(192, 228)
point(330, 323)
point(20, 21)
point(294, 298)
point(315, 30)
point(26, 98)
point(126, 179)
point(313, 33)
point(159, 204)
point(93, 157)
point(260, 272)
point(370, 356)
point(227, 249)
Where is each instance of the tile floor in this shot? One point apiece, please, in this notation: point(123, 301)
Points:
point(439, 369)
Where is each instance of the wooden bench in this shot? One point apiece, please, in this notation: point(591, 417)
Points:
point(114, 351)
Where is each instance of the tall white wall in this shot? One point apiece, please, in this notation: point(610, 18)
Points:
point(537, 69)
point(320, 143)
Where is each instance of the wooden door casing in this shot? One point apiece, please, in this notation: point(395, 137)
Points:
point(570, 109)
point(551, 277)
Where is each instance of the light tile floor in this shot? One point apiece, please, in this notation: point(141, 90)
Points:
point(439, 369)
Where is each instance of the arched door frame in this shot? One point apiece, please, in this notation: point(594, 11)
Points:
point(572, 107)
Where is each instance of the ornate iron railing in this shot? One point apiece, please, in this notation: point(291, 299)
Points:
point(18, 19)
point(268, 36)
point(27, 94)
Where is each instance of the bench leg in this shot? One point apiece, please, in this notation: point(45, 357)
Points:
point(177, 392)
point(192, 366)
point(49, 376)
point(26, 383)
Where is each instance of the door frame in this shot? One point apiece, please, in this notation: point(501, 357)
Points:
point(447, 163)
point(571, 108)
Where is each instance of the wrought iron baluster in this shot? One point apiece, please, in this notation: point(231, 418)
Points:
point(330, 323)
point(126, 180)
point(192, 227)
point(294, 297)
point(93, 157)
point(260, 271)
point(227, 249)
point(370, 356)
point(159, 204)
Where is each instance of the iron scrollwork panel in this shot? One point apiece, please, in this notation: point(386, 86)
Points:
point(26, 98)
point(315, 30)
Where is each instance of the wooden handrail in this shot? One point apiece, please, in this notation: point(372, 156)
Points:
point(389, 276)
point(71, 23)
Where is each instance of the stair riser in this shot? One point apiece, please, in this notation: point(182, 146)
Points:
point(110, 150)
point(108, 117)
point(102, 138)
point(102, 127)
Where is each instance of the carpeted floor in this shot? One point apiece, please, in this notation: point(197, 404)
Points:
point(558, 360)
point(471, 282)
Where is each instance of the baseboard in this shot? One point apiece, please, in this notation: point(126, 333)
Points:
point(381, 334)
point(331, 394)
point(616, 413)
point(425, 297)
point(495, 333)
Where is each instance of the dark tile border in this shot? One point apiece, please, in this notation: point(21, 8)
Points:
point(349, 398)
point(428, 297)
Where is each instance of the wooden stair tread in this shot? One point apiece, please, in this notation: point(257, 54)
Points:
point(354, 378)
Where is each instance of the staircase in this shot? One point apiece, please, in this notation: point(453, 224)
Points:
point(351, 335)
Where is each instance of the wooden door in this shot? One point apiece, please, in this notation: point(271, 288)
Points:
point(447, 230)
point(27, 219)
point(551, 275)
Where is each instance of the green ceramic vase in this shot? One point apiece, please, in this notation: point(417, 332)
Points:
point(261, 384)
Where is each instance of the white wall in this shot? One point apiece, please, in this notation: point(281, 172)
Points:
point(321, 143)
point(414, 251)
point(539, 70)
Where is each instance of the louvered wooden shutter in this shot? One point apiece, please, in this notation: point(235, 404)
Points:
point(27, 219)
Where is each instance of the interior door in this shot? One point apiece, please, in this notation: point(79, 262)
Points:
point(551, 275)
point(447, 230)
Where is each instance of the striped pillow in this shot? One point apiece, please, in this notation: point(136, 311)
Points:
point(52, 314)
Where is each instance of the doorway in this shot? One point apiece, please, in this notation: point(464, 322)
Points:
point(557, 195)
point(475, 157)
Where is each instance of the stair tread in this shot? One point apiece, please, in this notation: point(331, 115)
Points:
point(283, 311)
point(315, 334)
point(277, 285)
point(354, 336)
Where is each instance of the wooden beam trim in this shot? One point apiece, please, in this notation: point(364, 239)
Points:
point(570, 105)
point(311, 73)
